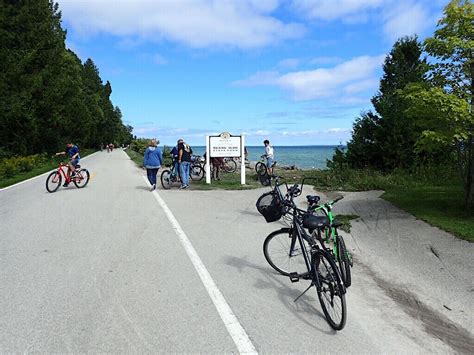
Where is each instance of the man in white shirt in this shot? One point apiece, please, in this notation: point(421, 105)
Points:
point(269, 156)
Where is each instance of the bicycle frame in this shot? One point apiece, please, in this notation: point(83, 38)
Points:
point(65, 174)
point(331, 231)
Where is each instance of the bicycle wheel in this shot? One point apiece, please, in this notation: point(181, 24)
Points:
point(82, 178)
point(196, 172)
point(230, 166)
point(283, 252)
point(330, 290)
point(53, 181)
point(343, 261)
point(261, 169)
point(166, 179)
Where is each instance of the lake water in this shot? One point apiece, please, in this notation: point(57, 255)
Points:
point(304, 157)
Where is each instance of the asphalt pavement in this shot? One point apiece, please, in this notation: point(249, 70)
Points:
point(115, 268)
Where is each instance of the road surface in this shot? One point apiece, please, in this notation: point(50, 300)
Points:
point(115, 268)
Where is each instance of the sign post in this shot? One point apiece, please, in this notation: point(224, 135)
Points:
point(208, 162)
point(225, 145)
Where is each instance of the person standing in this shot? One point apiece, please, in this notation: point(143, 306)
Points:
point(152, 160)
point(269, 156)
point(184, 160)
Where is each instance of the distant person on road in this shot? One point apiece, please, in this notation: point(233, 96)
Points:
point(73, 152)
point(184, 160)
point(152, 160)
point(269, 156)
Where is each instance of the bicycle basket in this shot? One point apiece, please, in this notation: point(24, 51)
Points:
point(270, 206)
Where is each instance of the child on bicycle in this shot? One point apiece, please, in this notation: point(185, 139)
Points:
point(73, 152)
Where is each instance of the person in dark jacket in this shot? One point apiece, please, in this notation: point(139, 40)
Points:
point(152, 160)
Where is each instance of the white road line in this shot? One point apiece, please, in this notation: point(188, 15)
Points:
point(38, 176)
point(235, 329)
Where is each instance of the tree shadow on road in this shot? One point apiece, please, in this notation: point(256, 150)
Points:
point(272, 280)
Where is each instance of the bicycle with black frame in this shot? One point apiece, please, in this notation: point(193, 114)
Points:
point(313, 263)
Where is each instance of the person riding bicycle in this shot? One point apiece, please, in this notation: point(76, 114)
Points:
point(73, 152)
point(269, 156)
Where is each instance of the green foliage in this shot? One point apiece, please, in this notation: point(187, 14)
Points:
point(385, 139)
point(447, 109)
point(47, 96)
point(139, 145)
point(12, 166)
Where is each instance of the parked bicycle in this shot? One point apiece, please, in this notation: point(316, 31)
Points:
point(313, 263)
point(330, 239)
point(80, 178)
point(170, 176)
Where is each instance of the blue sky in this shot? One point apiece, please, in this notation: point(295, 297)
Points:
point(296, 72)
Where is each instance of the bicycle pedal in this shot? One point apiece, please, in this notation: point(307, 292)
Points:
point(294, 277)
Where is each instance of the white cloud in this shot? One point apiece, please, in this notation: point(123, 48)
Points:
point(335, 9)
point(289, 63)
point(406, 18)
point(353, 76)
point(325, 60)
point(196, 23)
point(159, 59)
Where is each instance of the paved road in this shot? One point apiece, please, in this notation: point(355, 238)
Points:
point(104, 270)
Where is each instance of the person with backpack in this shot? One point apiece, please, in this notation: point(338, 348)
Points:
point(152, 160)
point(184, 160)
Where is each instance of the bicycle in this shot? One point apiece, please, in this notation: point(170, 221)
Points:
point(261, 166)
point(80, 179)
point(170, 176)
point(336, 243)
point(319, 266)
point(230, 165)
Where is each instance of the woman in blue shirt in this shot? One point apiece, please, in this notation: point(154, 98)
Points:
point(152, 160)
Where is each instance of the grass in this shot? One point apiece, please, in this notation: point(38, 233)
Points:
point(441, 206)
point(346, 219)
point(41, 169)
point(137, 158)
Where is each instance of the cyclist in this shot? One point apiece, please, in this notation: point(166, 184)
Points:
point(269, 156)
point(174, 157)
point(73, 152)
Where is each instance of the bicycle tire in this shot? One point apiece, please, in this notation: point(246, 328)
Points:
point(196, 172)
point(260, 169)
point(54, 183)
point(79, 183)
point(343, 261)
point(276, 249)
point(330, 289)
point(165, 179)
point(230, 166)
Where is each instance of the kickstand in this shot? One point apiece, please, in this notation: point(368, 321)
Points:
point(297, 298)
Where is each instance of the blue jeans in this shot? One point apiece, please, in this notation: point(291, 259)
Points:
point(269, 162)
point(151, 174)
point(184, 169)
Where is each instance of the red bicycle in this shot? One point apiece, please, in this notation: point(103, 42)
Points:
point(80, 179)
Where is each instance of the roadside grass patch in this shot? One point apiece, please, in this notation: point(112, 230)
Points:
point(346, 219)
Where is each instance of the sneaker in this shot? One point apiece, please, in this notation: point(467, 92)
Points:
point(65, 184)
point(153, 187)
point(186, 186)
point(182, 187)
point(73, 175)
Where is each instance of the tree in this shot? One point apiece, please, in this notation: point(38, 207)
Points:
point(448, 108)
point(385, 139)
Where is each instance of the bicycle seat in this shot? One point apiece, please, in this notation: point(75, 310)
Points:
point(77, 166)
point(313, 199)
point(313, 222)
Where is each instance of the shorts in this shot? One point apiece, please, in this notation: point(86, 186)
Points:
point(74, 162)
point(269, 162)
